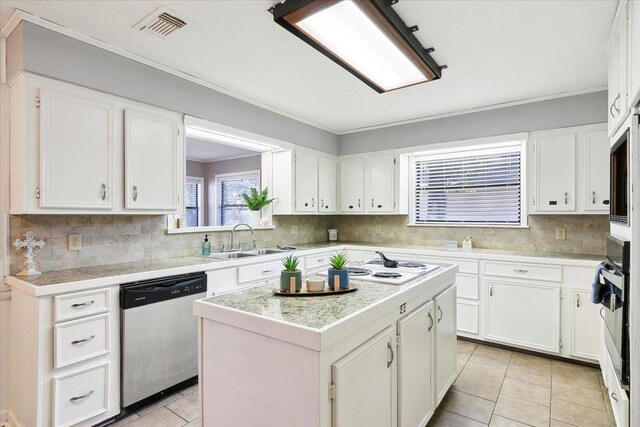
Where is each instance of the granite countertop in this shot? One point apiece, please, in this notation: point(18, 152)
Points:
point(315, 312)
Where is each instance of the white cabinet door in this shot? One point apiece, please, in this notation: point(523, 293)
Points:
point(415, 365)
point(326, 185)
point(352, 185)
point(76, 151)
point(445, 342)
point(597, 172)
point(634, 53)
point(585, 325)
point(366, 378)
point(618, 83)
point(523, 314)
point(151, 161)
point(306, 182)
point(554, 172)
point(381, 183)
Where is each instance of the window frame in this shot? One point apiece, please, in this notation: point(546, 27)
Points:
point(199, 180)
point(218, 178)
point(466, 149)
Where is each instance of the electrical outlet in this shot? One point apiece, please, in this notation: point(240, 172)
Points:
point(561, 234)
point(378, 229)
point(294, 229)
point(75, 242)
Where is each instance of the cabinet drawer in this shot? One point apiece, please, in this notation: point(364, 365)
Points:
point(464, 265)
point(467, 286)
point(81, 339)
point(80, 395)
point(319, 260)
point(257, 272)
point(551, 273)
point(80, 304)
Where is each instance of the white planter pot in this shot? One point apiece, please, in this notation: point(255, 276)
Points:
point(255, 218)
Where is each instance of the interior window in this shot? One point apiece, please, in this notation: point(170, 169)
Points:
point(232, 208)
point(193, 201)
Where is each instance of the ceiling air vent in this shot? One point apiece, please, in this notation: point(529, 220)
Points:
point(161, 23)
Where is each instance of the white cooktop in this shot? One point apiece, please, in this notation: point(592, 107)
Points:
point(374, 271)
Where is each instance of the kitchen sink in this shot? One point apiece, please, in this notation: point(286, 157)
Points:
point(264, 251)
point(232, 255)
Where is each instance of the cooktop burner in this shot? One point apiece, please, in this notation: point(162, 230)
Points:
point(375, 262)
point(387, 275)
point(357, 271)
point(412, 264)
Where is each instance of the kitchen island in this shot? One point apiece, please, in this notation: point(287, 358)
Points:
point(383, 355)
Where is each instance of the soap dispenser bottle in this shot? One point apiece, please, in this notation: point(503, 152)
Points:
point(206, 246)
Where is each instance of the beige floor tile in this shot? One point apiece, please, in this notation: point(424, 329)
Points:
point(466, 346)
point(487, 372)
point(488, 359)
point(477, 386)
point(522, 411)
point(579, 395)
point(498, 421)
point(186, 407)
point(160, 417)
point(531, 362)
point(189, 390)
point(586, 379)
point(578, 415)
point(568, 368)
point(194, 423)
point(125, 420)
point(556, 423)
point(468, 406)
point(144, 411)
point(448, 419)
point(526, 391)
point(529, 375)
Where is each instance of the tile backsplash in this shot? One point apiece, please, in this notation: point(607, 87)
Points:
point(111, 239)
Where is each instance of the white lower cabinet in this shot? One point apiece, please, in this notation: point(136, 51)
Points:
point(415, 367)
point(445, 342)
point(365, 384)
point(523, 314)
point(585, 325)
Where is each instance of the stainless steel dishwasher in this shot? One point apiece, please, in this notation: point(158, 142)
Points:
point(159, 337)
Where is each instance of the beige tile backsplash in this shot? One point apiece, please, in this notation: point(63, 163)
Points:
point(111, 239)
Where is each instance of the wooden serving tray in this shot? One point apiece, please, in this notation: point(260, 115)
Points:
point(305, 293)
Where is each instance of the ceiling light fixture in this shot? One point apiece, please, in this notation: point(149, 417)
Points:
point(365, 37)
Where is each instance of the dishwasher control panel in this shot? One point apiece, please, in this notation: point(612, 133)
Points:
point(157, 290)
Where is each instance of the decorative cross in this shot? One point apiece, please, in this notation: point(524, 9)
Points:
point(29, 265)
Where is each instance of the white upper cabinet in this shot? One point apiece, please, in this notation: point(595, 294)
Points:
point(568, 171)
point(380, 183)
point(73, 151)
point(327, 184)
point(633, 50)
point(151, 161)
point(352, 184)
point(618, 70)
point(306, 182)
point(76, 151)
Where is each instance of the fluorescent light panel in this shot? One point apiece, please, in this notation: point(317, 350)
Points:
point(346, 31)
point(208, 135)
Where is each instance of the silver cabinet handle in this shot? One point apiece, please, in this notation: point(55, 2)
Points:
point(82, 304)
point(566, 198)
point(372, 203)
point(520, 270)
point(392, 354)
point(358, 202)
point(615, 101)
point(322, 203)
point(135, 193)
point(602, 308)
point(267, 271)
point(84, 396)
point(578, 300)
point(490, 290)
point(614, 396)
point(103, 191)
point(440, 311)
point(320, 260)
point(593, 197)
point(313, 202)
point(430, 322)
point(87, 339)
point(611, 111)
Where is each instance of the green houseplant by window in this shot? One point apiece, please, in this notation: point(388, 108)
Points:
point(256, 200)
point(339, 269)
point(290, 264)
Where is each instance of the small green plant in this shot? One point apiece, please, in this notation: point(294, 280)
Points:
point(290, 263)
point(257, 200)
point(338, 261)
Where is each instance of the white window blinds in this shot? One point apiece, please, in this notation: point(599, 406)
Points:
point(480, 187)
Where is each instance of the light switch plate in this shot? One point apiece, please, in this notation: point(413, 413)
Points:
point(75, 242)
point(561, 234)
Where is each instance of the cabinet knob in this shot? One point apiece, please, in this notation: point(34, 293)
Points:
point(605, 202)
point(306, 204)
point(379, 206)
point(350, 206)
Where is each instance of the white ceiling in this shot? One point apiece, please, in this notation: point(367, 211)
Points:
point(206, 151)
point(497, 52)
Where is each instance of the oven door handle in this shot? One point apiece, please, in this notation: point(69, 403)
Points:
point(602, 308)
point(613, 277)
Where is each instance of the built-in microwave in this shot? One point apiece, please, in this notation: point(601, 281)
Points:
point(620, 181)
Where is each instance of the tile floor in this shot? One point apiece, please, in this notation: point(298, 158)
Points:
point(495, 387)
point(498, 387)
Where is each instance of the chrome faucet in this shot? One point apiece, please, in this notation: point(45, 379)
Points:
point(233, 236)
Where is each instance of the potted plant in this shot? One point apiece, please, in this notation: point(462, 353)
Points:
point(339, 268)
point(256, 200)
point(290, 264)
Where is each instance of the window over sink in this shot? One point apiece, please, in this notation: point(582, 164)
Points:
point(479, 185)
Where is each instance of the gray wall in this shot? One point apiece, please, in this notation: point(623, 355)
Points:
point(54, 55)
point(555, 113)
